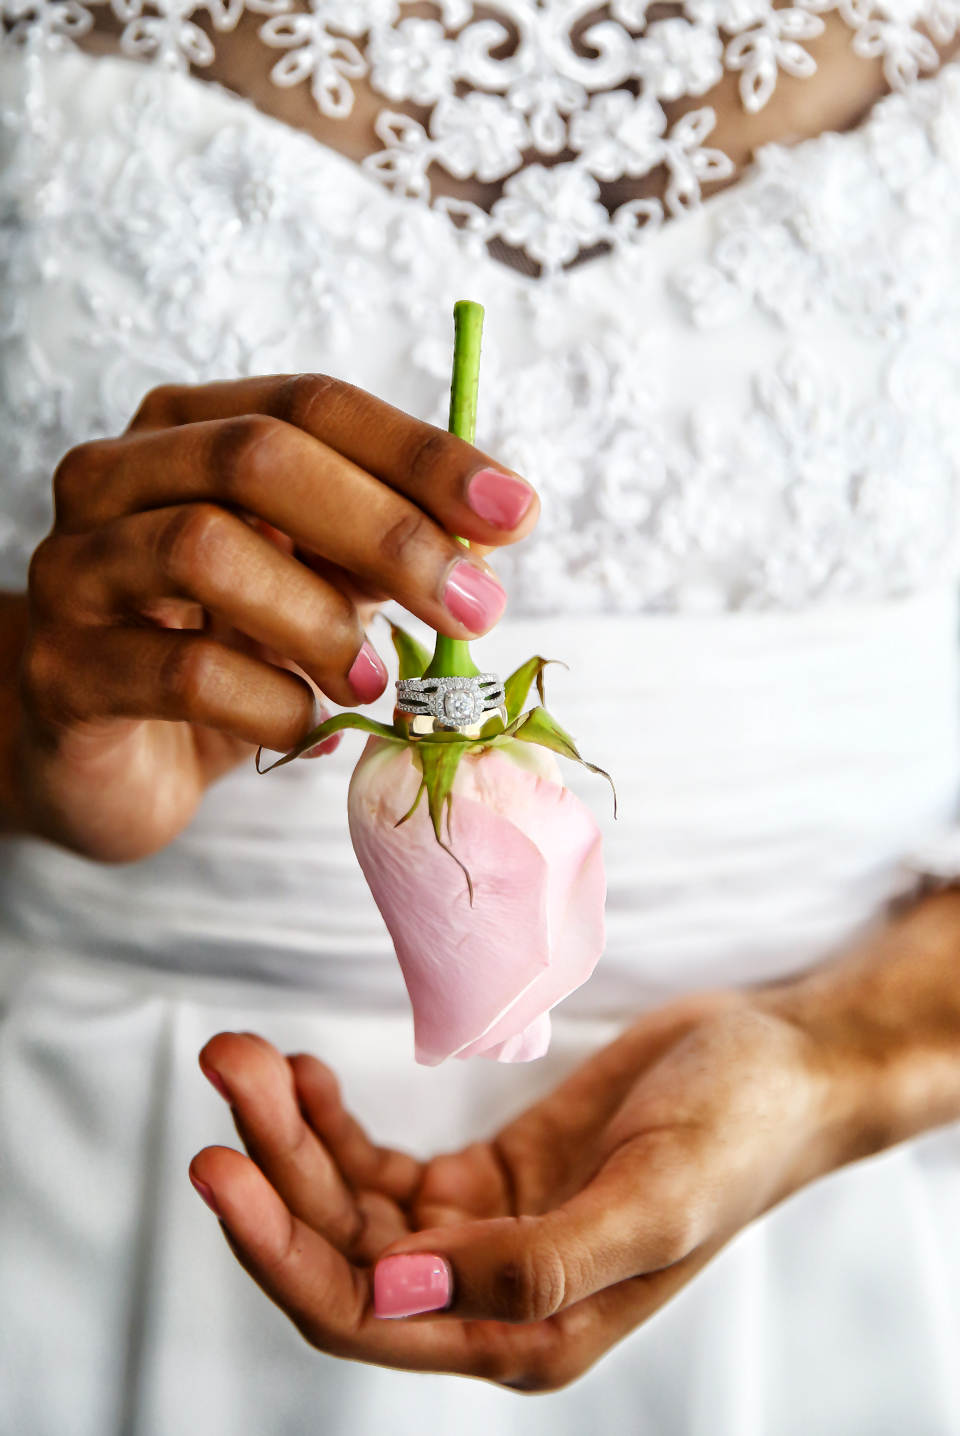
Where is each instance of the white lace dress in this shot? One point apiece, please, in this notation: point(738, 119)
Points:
point(744, 427)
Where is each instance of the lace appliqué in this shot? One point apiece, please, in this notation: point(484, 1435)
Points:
point(813, 493)
point(141, 244)
point(122, 257)
point(548, 99)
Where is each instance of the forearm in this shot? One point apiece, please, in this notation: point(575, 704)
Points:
point(13, 633)
point(883, 1028)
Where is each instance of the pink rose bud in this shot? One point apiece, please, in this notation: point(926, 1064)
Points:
point(483, 978)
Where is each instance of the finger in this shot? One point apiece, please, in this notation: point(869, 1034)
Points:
point(298, 485)
point(380, 1169)
point(201, 554)
point(384, 1223)
point(259, 1085)
point(306, 1275)
point(95, 675)
point(331, 1301)
point(651, 1206)
point(436, 470)
point(551, 1354)
point(471, 1183)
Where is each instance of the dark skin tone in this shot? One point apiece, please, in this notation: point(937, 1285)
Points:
point(180, 613)
point(577, 1221)
point(207, 576)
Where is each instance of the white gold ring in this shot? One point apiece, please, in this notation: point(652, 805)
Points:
point(452, 703)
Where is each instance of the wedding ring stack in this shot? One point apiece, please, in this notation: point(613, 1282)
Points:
point(451, 705)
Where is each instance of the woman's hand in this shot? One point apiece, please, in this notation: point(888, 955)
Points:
point(561, 1235)
point(207, 564)
point(585, 1215)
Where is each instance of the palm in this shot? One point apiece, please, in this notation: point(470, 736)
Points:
point(567, 1229)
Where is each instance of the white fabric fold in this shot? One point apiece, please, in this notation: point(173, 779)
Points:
point(773, 771)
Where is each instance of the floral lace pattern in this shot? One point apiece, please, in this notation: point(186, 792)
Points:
point(832, 473)
point(547, 99)
point(813, 492)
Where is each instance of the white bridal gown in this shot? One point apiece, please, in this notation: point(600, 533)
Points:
point(743, 422)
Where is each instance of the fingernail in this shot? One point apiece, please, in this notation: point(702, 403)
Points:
point(216, 1081)
point(410, 1283)
point(206, 1193)
point(368, 676)
point(327, 746)
point(474, 598)
point(499, 498)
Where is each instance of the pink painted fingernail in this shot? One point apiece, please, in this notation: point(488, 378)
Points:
point(206, 1193)
point(368, 676)
point(499, 498)
point(410, 1283)
point(216, 1081)
point(474, 598)
point(327, 746)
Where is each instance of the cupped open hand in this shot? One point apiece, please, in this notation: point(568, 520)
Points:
point(562, 1233)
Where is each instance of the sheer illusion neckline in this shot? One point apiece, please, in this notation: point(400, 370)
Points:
point(563, 113)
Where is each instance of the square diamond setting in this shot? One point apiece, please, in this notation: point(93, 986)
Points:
point(454, 703)
point(459, 705)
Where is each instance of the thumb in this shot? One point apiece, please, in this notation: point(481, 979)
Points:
point(527, 1268)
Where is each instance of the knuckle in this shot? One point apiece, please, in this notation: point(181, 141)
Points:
point(305, 399)
point(158, 408)
point(191, 540)
point(45, 574)
point(676, 1235)
point(186, 674)
point(432, 455)
point(75, 478)
point(44, 676)
point(539, 1377)
point(239, 446)
point(549, 1363)
point(531, 1286)
point(401, 541)
point(38, 665)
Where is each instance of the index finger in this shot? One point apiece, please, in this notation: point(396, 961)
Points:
point(469, 493)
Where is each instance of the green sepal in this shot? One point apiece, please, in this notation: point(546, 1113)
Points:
point(539, 727)
point(412, 655)
point(439, 763)
point(327, 729)
point(517, 686)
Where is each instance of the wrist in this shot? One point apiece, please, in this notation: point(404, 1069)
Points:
point(881, 1032)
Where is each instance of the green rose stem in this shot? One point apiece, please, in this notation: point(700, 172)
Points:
point(451, 658)
point(437, 754)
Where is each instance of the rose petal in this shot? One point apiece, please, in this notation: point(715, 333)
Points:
point(463, 966)
point(482, 979)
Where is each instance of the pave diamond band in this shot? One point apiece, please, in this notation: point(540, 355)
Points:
point(451, 702)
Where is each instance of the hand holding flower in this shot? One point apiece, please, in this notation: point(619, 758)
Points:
point(484, 960)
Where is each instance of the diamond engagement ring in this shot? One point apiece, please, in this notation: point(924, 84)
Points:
point(452, 703)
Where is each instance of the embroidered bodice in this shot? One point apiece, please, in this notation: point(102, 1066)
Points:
point(555, 104)
point(754, 407)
